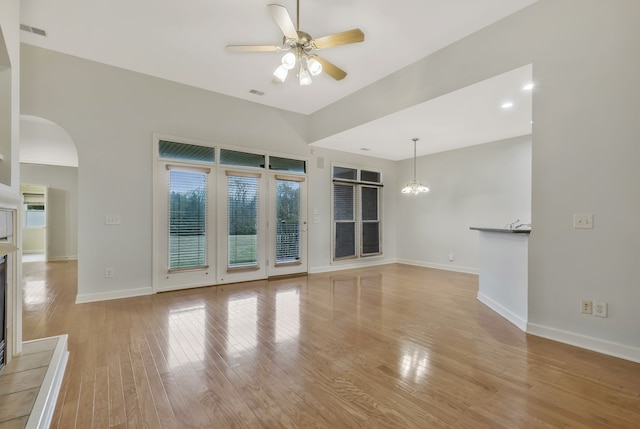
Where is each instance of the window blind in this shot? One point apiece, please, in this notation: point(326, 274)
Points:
point(288, 220)
point(345, 222)
point(187, 219)
point(243, 200)
point(370, 220)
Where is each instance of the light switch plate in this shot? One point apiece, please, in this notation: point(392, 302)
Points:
point(600, 308)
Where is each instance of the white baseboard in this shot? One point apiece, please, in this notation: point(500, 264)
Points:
point(63, 258)
point(45, 403)
point(586, 342)
point(456, 268)
point(503, 311)
point(116, 294)
point(351, 266)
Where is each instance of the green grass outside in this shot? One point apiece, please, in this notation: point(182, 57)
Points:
point(242, 250)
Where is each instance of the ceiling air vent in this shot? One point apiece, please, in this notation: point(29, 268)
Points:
point(34, 30)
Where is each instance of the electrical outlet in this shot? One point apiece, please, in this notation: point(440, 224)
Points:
point(452, 257)
point(108, 273)
point(112, 220)
point(600, 309)
point(583, 221)
point(585, 306)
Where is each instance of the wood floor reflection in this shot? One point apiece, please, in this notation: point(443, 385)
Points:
point(393, 346)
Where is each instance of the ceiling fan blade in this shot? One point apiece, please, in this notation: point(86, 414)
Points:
point(282, 18)
point(331, 69)
point(344, 38)
point(254, 48)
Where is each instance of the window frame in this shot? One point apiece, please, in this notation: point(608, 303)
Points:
point(358, 184)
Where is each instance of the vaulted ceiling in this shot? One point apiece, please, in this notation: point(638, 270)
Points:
point(185, 42)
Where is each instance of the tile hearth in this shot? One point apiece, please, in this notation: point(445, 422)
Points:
point(29, 383)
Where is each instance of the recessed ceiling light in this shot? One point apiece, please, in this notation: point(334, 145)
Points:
point(528, 87)
point(507, 105)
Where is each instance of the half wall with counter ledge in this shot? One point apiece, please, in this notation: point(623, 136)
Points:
point(503, 267)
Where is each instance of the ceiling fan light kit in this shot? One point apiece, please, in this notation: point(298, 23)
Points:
point(300, 46)
point(307, 67)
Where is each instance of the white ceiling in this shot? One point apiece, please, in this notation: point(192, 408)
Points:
point(466, 117)
point(184, 41)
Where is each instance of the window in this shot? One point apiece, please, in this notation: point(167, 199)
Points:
point(286, 164)
point(245, 159)
point(34, 210)
point(186, 152)
point(370, 218)
point(356, 213)
point(344, 218)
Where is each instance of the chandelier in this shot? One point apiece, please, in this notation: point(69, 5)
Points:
point(414, 187)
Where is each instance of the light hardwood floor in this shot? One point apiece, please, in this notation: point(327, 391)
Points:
point(394, 346)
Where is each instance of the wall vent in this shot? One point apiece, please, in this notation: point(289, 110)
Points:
point(34, 30)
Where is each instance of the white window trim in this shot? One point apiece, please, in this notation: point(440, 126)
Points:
point(358, 218)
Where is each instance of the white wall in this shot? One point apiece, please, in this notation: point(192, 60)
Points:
point(9, 26)
point(487, 185)
point(585, 160)
point(62, 206)
point(110, 114)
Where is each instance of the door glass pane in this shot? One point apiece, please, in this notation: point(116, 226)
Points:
point(187, 219)
point(288, 221)
point(242, 221)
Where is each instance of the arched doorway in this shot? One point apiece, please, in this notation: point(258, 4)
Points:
point(49, 185)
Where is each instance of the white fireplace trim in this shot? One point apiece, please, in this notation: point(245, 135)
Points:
point(12, 201)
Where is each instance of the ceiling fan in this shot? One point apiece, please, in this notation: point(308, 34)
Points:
point(301, 47)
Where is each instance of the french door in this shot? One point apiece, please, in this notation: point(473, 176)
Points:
point(242, 232)
point(287, 225)
point(184, 251)
point(225, 216)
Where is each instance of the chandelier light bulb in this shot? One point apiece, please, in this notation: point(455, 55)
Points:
point(289, 60)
